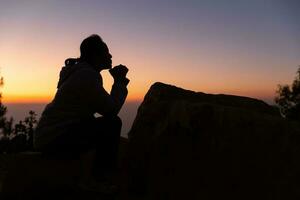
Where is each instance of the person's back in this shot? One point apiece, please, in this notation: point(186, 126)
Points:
point(68, 124)
point(80, 96)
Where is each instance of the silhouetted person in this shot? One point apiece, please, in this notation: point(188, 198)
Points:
point(68, 125)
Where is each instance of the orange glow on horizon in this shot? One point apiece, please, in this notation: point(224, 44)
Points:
point(19, 99)
point(138, 96)
point(26, 99)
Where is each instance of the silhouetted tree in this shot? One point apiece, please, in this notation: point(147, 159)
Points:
point(30, 123)
point(288, 98)
point(20, 128)
point(23, 134)
point(4, 125)
point(18, 137)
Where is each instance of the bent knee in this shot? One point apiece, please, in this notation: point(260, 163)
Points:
point(114, 121)
point(117, 121)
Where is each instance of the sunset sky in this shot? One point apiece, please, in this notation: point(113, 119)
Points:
point(241, 47)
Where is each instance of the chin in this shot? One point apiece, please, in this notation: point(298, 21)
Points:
point(109, 66)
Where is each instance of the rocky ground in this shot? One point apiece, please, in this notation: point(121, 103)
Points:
point(27, 175)
point(183, 145)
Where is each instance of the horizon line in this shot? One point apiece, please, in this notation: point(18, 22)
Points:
point(46, 102)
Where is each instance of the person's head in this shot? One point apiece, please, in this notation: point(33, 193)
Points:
point(95, 52)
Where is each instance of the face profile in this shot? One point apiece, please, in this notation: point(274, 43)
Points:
point(104, 58)
point(94, 51)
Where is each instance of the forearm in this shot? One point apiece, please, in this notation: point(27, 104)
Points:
point(119, 93)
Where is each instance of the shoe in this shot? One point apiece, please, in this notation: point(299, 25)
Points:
point(99, 187)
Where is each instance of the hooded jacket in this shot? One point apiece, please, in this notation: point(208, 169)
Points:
point(80, 94)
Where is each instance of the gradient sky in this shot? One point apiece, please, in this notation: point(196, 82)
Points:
point(241, 47)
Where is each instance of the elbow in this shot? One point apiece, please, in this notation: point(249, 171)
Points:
point(111, 112)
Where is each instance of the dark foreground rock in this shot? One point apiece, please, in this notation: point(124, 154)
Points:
point(30, 175)
point(183, 145)
point(187, 145)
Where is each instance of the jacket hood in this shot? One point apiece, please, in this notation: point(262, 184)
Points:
point(68, 70)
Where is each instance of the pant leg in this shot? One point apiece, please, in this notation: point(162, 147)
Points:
point(109, 129)
point(78, 138)
point(101, 134)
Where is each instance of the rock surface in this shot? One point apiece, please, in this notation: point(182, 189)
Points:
point(30, 175)
point(182, 145)
point(188, 145)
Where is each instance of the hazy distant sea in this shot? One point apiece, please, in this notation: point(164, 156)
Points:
point(20, 111)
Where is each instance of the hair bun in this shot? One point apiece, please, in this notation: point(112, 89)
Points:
point(71, 61)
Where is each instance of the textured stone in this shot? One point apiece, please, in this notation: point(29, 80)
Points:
point(188, 145)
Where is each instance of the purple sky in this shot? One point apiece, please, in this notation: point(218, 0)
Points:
point(239, 47)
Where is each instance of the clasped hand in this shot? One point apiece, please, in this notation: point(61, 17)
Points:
point(119, 72)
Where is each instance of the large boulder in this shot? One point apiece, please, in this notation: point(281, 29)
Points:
point(188, 145)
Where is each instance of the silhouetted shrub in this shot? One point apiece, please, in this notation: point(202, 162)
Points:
point(18, 137)
point(288, 98)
